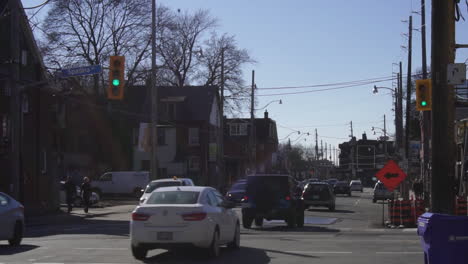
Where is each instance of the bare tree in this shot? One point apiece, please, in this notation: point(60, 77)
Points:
point(179, 42)
point(89, 31)
point(210, 60)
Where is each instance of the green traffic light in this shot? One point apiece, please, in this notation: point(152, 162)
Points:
point(115, 82)
point(423, 103)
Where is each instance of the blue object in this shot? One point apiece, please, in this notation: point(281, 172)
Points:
point(79, 71)
point(444, 238)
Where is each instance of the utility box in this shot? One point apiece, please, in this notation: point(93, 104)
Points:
point(444, 238)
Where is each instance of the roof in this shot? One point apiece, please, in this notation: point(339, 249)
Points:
point(183, 188)
point(287, 175)
point(196, 101)
point(170, 180)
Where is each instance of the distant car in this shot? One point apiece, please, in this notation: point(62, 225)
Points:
point(342, 187)
point(270, 196)
point(164, 183)
point(319, 194)
point(78, 200)
point(237, 191)
point(121, 182)
point(174, 217)
point(11, 220)
point(356, 185)
point(381, 193)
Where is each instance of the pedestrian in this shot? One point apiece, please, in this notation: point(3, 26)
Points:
point(418, 189)
point(86, 193)
point(70, 192)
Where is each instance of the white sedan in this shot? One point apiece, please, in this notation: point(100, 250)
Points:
point(11, 220)
point(184, 216)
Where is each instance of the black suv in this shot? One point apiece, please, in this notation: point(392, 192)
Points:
point(272, 197)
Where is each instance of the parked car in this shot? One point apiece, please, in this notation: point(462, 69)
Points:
point(237, 191)
point(164, 183)
point(332, 181)
point(121, 182)
point(319, 194)
point(78, 200)
point(356, 185)
point(342, 187)
point(11, 220)
point(270, 197)
point(381, 193)
point(184, 216)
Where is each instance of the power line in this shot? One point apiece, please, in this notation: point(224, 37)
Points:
point(330, 84)
point(34, 7)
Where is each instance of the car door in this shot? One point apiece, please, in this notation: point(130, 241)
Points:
point(5, 217)
point(228, 218)
point(216, 213)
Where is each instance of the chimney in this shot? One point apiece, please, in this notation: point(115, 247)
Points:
point(364, 136)
point(266, 114)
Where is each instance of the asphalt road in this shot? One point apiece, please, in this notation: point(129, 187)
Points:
point(351, 234)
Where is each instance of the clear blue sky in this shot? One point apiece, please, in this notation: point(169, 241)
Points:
point(308, 42)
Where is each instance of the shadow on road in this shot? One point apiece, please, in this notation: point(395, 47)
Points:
point(243, 255)
point(8, 250)
point(80, 225)
point(318, 229)
point(338, 211)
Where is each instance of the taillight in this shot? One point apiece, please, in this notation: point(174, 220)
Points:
point(194, 216)
point(245, 198)
point(140, 217)
point(287, 198)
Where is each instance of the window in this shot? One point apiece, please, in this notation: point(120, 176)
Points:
point(238, 129)
point(145, 165)
point(194, 139)
point(161, 136)
point(212, 199)
point(194, 163)
point(3, 200)
point(106, 177)
point(175, 197)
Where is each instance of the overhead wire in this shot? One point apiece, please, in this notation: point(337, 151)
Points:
point(34, 7)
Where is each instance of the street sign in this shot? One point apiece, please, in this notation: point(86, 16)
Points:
point(79, 71)
point(391, 175)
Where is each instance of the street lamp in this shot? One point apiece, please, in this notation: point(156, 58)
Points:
point(279, 102)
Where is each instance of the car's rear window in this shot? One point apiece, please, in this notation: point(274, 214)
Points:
point(153, 186)
point(173, 197)
point(239, 186)
point(356, 183)
point(316, 188)
point(341, 184)
point(267, 185)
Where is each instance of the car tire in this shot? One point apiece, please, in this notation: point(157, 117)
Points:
point(213, 250)
point(291, 219)
point(374, 200)
point(331, 207)
point(139, 252)
point(235, 243)
point(349, 194)
point(17, 235)
point(300, 219)
point(259, 221)
point(246, 220)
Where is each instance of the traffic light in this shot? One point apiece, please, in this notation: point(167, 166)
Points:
point(424, 95)
point(115, 90)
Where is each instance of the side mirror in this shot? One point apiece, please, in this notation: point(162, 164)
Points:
point(227, 204)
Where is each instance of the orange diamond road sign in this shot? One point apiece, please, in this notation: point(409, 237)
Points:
point(391, 175)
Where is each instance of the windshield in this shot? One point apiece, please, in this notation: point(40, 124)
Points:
point(173, 197)
point(154, 185)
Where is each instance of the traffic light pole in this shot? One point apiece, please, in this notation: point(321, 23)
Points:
point(154, 97)
point(443, 145)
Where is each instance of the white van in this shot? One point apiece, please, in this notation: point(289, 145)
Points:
point(121, 182)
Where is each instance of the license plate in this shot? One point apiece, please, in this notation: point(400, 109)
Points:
point(315, 197)
point(164, 236)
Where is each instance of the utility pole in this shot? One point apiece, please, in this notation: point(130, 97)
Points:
point(15, 108)
point(154, 97)
point(426, 115)
point(405, 186)
point(385, 135)
point(351, 124)
point(253, 151)
point(400, 110)
point(221, 125)
point(443, 147)
point(353, 148)
point(321, 149)
point(326, 153)
point(316, 145)
point(330, 148)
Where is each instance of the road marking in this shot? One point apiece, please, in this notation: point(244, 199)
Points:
point(357, 202)
point(319, 252)
point(102, 248)
point(398, 253)
point(410, 230)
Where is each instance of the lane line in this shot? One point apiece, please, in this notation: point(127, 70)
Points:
point(102, 248)
point(319, 252)
point(398, 253)
point(357, 202)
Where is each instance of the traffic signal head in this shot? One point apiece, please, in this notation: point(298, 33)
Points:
point(424, 95)
point(115, 89)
